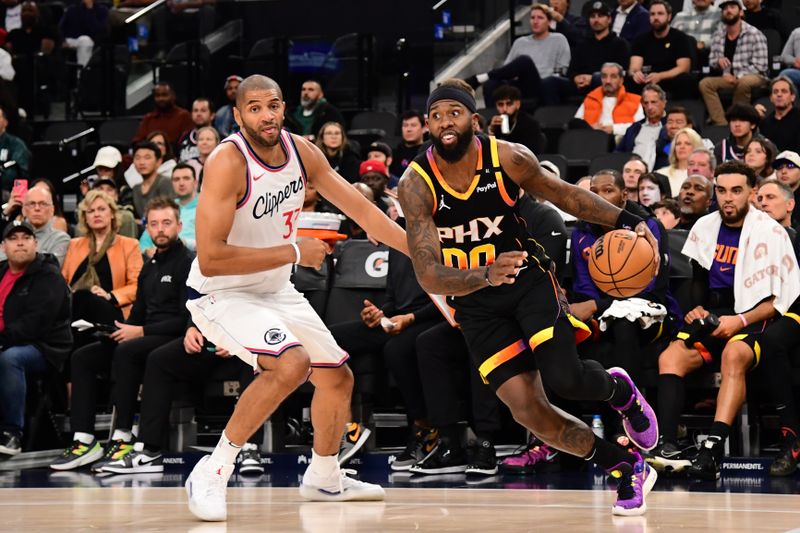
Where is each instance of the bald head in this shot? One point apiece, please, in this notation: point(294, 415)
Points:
point(256, 82)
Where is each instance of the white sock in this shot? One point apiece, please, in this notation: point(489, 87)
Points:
point(324, 466)
point(225, 453)
point(138, 446)
point(83, 438)
point(482, 78)
point(122, 434)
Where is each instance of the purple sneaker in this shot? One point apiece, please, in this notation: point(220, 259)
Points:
point(638, 418)
point(635, 484)
point(539, 458)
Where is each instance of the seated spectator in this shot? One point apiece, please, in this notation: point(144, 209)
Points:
point(631, 172)
point(383, 152)
point(700, 21)
point(703, 162)
point(207, 140)
point(107, 165)
point(531, 60)
point(776, 199)
point(101, 267)
point(667, 212)
point(653, 188)
point(128, 227)
point(522, 128)
point(647, 137)
point(38, 211)
point(571, 26)
point(631, 20)
point(34, 328)
point(167, 116)
point(184, 185)
point(609, 107)
point(332, 140)
point(678, 118)
point(739, 60)
point(602, 47)
point(763, 18)
point(694, 200)
point(790, 57)
point(159, 315)
point(12, 148)
point(147, 160)
point(782, 126)
point(686, 141)
point(662, 56)
point(412, 130)
point(314, 112)
point(715, 242)
point(375, 174)
point(59, 221)
point(81, 25)
point(759, 155)
point(224, 122)
point(742, 120)
point(202, 117)
point(787, 167)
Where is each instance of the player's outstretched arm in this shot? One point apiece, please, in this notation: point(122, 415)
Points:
point(423, 241)
point(352, 203)
point(223, 185)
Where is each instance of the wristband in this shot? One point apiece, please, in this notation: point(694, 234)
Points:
point(743, 319)
point(627, 220)
point(486, 277)
point(296, 252)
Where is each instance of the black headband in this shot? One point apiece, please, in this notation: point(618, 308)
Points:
point(449, 92)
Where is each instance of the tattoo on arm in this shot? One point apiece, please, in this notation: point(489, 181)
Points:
point(423, 243)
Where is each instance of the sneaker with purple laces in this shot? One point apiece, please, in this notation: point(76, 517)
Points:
point(638, 418)
point(537, 458)
point(635, 483)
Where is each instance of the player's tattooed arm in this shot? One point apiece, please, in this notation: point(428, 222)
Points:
point(523, 167)
point(423, 243)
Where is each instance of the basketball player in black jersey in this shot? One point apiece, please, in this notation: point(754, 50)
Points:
point(467, 241)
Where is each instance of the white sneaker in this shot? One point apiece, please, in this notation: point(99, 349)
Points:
point(344, 489)
point(206, 487)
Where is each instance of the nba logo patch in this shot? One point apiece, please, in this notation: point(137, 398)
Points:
point(274, 336)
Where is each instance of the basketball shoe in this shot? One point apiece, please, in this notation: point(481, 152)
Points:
point(206, 487)
point(77, 455)
point(481, 458)
point(10, 444)
point(135, 460)
point(354, 438)
point(420, 443)
point(536, 457)
point(638, 418)
point(444, 459)
point(249, 460)
point(635, 483)
point(339, 487)
point(667, 457)
point(112, 448)
point(786, 462)
point(706, 464)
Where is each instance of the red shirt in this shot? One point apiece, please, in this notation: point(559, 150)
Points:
point(6, 284)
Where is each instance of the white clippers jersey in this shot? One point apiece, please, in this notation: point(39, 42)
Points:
point(266, 216)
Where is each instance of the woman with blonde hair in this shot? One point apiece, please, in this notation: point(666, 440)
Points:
point(332, 140)
point(101, 267)
point(685, 142)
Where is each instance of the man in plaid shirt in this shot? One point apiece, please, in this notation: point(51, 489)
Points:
point(739, 52)
point(700, 22)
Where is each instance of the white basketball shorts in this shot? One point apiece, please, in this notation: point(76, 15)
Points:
point(249, 325)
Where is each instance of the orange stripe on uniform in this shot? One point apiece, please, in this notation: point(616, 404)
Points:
point(424, 175)
point(446, 186)
point(582, 331)
point(506, 354)
point(501, 188)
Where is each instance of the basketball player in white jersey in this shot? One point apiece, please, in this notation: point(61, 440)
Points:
point(241, 298)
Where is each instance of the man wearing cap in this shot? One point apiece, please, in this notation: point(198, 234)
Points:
point(38, 211)
point(742, 120)
point(382, 152)
point(631, 20)
point(782, 126)
point(223, 119)
point(610, 108)
point(314, 111)
point(787, 168)
point(35, 336)
point(739, 58)
point(701, 21)
point(374, 174)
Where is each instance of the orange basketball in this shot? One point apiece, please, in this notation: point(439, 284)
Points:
point(621, 263)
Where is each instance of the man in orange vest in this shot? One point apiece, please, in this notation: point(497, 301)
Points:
point(609, 107)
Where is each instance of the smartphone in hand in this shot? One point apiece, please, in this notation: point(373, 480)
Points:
point(20, 189)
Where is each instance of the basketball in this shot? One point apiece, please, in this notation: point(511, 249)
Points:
point(621, 263)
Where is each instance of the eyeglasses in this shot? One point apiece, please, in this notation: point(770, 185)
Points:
point(785, 165)
point(34, 205)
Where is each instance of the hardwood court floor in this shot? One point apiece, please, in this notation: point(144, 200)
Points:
point(486, 510)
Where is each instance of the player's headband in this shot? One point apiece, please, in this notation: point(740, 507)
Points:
point(449, 92)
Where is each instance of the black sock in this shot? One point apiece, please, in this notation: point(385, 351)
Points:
point(609, 456)
point(788, 418)
point(484, 435)
point(719, 431)
point(622, 393)
point(450, 435)
point(670, 404)
point(149, 449)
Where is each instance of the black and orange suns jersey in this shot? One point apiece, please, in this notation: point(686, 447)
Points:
point(481, 223)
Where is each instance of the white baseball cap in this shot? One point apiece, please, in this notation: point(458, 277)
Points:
point(720, 3)
point(551, 167)
point(108, 157)
point(787, 155)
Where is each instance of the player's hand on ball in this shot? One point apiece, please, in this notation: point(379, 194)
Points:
point(643, 231)
point(505, 267)
point(312, 252)
point(695, 314)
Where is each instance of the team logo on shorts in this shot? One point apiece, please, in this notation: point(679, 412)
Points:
point(274, 336)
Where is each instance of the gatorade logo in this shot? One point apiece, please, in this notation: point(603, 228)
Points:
point(377, 264)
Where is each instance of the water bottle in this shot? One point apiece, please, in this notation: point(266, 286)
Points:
point(597, 426)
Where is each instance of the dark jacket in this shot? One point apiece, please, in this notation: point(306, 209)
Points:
point(37, 311)
point(547, 227)
point(346, 165)
point(574, 28)
point(160, 304)
point(637, 23)
point(593, 54)
point(629, 141)
point(727, 149)
point(526, 131)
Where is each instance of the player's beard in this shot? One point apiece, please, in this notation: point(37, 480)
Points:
point(255, 135)
point(737, 216)
point(454, 153)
